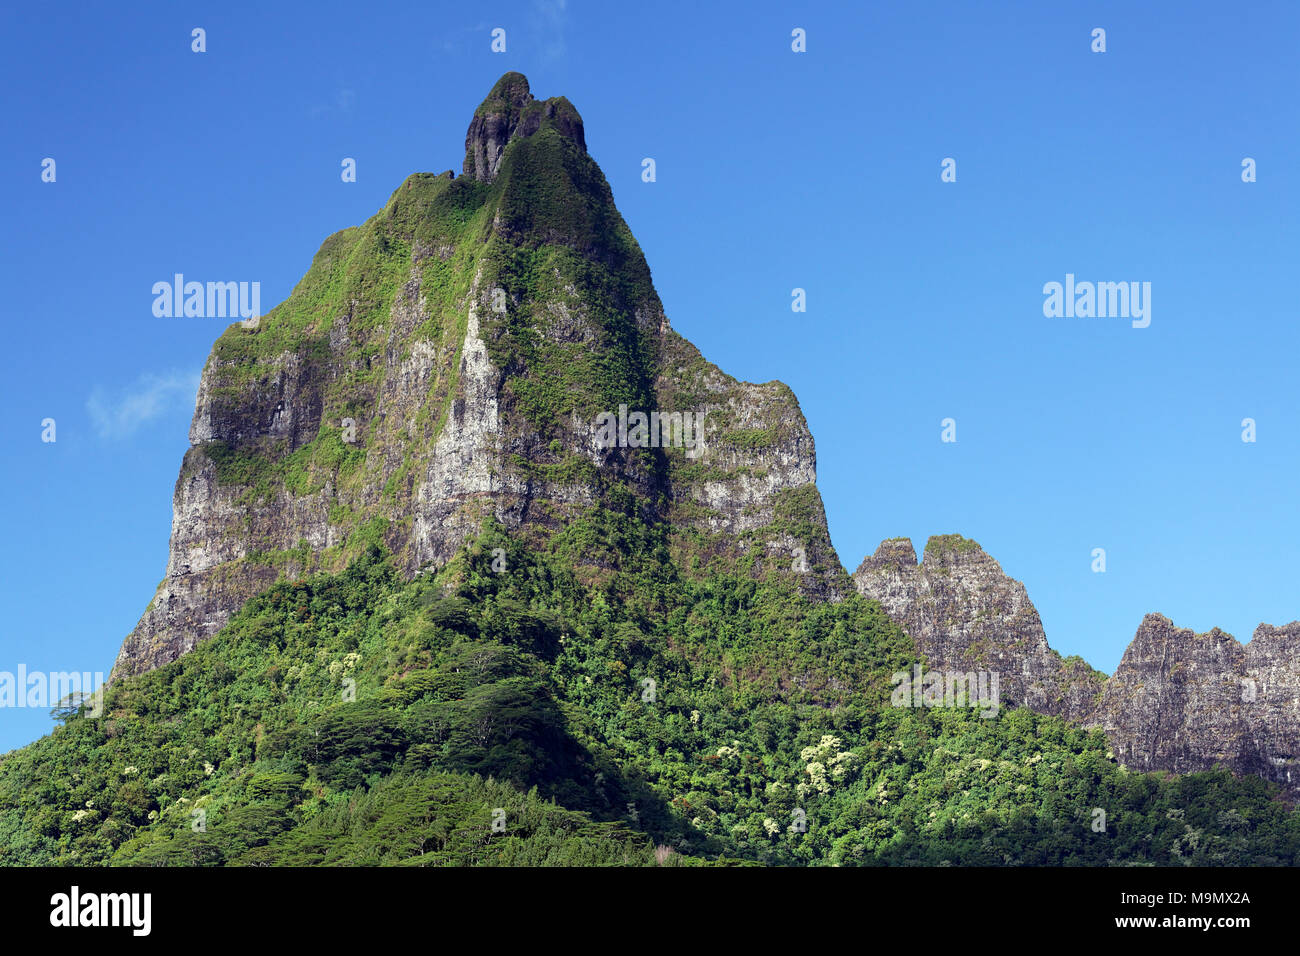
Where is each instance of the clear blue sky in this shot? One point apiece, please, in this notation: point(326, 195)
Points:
point(775, 170)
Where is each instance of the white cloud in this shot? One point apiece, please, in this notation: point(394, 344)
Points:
point(122, 413)
point(455, 42)
point(549, 16)
point(344, 101)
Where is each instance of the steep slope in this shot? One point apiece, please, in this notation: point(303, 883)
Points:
point(472, 717)
point(1179, 701)
point(447, 361)
point(1183, 701)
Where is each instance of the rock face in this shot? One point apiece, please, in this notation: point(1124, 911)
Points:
point(508, 112)
point(1179, 701)
point(966, 615)
point(1183, 701)
point(445, 364)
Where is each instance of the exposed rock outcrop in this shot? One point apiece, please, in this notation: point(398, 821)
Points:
point(443, 364)
point(1179, 701)
point(1183, 701)
point(508, 112)
point(965, 614)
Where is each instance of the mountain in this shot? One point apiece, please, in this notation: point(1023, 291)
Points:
point(966, 615)
point(1179, 701)
point(470, 334)
point(1182, 701)
point(432, 600)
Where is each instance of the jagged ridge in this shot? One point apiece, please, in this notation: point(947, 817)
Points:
point(1179, 701)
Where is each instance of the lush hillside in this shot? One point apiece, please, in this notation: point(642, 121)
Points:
point(363, 718)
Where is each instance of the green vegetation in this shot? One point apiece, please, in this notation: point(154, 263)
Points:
point(559, 245)
point(751, 437)
point(362, 719)
point(945, 543)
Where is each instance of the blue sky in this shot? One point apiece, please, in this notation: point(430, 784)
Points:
point(776, 170)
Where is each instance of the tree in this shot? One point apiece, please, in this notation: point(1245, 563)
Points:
point(70, 706)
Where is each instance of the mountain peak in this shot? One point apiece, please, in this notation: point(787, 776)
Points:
point(1179, 701)
point(510, 112)
point(965, 614)
point(447, 362)
point(894, 554)
point(952, 549)
point(511, 89)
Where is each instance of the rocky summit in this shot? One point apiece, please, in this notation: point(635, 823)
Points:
point(1179, 701)
point(1183, 701)
point(444, 363)
point(965, 614)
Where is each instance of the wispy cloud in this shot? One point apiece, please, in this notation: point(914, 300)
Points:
point(545, 30)
point(121, 413)
point(549, 17)
point(455, 41)
point(344, 101)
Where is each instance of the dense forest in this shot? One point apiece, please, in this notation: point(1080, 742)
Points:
point(528, 707)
